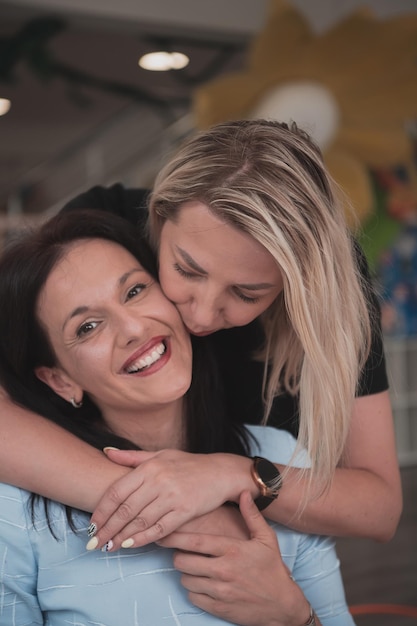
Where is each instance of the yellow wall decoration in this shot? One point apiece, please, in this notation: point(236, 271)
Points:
point(354, 86)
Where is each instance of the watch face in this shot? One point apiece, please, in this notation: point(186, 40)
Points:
point(269, 475)
point(268, 480)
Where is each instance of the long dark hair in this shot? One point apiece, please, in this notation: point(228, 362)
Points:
point(24, 345)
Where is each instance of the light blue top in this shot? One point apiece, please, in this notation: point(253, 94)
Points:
point(60, 583)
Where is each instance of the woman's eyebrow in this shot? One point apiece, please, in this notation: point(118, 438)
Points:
point(125, 277)
point(255, 286)
point(190, 261)
point(81, 310)
point(197, 268)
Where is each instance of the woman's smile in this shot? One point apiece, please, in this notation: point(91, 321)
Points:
point(111, 327)
point(148, 359)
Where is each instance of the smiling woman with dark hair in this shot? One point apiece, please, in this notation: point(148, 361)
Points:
point(90, 341)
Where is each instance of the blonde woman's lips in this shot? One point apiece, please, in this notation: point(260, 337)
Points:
point(200, 334)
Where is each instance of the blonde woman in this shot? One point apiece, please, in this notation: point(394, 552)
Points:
point(251, 241)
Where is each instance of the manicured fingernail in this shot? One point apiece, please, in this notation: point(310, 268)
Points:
point(128, 543)
point(92, 544)
point(92, 529)
point(105, 450)
point(108, 546)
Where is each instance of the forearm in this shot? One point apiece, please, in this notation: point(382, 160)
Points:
point(365, 497)
point(169, 487)
point(359, 503)
point(39, 456)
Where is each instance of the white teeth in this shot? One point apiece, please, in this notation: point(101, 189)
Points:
point(148, 360)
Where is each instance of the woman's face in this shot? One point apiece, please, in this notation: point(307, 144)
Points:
point(216, 275)
point(114, 333)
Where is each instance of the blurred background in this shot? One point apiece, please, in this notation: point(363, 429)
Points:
point(79, 106)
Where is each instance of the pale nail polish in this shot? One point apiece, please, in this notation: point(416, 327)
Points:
point(109, 448)
point(127, 543)
point(92, 544)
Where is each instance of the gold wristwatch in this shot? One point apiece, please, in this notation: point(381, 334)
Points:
point(268, 480)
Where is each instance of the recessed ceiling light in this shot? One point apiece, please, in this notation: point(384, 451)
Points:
point(163, 61)
point(4, 106)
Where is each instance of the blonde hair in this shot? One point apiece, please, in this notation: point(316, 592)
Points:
point(268, 180)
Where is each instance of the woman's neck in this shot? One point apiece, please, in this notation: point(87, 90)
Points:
point(151, 429)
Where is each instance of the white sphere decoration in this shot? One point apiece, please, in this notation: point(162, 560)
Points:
point(5, 105)
point(311, 105)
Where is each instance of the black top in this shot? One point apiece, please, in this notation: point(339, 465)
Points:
point(234, 347)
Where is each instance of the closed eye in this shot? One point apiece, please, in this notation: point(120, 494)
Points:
point(182, 272)
point(248, 299)
point(193, 275)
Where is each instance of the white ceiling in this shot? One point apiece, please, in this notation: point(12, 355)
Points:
point(103, 39)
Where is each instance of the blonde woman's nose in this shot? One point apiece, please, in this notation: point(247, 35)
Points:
point(206, 309)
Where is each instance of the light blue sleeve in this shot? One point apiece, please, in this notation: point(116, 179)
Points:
point(317, 571)
point(312, 559)
point(18, 571)
point(278, 446)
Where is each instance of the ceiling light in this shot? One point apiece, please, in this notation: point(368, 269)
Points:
point(4, 106)
point(163, 61)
